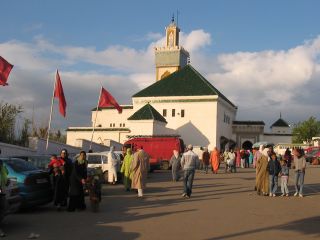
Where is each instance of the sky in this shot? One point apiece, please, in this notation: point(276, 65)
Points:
point(264, 56)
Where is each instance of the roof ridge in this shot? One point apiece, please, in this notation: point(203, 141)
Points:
point(211, 86)
point(147, 111)
point(150, 109)
point(182, 83)
point(204, 80)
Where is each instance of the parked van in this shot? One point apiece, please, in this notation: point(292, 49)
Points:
point(160, 149)
point(99, 161)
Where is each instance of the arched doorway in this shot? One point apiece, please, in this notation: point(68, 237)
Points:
point(247, 145)
point(223, 143)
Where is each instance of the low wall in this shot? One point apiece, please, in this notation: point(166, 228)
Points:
point(39, 145)
point(85, 145)
point(14, 150)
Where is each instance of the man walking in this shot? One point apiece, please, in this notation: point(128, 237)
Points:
point(189, 163)
point(139, 168)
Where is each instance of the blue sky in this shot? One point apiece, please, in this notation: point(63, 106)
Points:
point(263, 55)
point(249, 25)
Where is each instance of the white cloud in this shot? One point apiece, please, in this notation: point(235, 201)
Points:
point(271, 79)
point(195, 40)
point(153, 36)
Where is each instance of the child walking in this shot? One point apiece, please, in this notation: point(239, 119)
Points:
point(284, 178)
point(94, 187)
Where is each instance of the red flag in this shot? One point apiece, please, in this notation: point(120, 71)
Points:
point(58, 93)
point(5, 69)
point(106, 100)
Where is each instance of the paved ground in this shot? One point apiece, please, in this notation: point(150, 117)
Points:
point(222, 206)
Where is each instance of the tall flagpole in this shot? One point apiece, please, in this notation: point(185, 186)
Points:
point(51, 111)
point(95, 119)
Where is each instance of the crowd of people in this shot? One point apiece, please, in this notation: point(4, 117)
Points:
point(69, 177)
point(269, 167)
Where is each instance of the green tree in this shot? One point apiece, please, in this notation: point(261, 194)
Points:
point(304, 131)
point(24, 136)
point(43, 132)
point(8, 115)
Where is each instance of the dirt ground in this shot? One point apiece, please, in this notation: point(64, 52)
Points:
point(222, 206)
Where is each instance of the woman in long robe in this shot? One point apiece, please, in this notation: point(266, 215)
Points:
point(126, 169)
point(175, 165)
point(112, 163)
point(77, 180)
point(262, 180)
point(238, 157)
point(215, 160)
point(139, 168)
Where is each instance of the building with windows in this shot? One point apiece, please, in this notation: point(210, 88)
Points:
point(180, 102)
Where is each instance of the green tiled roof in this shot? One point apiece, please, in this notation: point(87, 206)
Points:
point(147, 112)
point(184, 82)
point(280, 123)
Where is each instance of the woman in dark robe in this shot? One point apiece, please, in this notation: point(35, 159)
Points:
point(77, 180)
point(60, 188)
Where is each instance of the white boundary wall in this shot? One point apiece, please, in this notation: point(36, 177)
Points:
point(11, 150)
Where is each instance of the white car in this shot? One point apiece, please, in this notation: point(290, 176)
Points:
point(99, 160)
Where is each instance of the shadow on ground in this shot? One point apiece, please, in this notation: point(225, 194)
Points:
point(308, 226)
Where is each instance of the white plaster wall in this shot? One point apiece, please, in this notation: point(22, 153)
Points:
point(224, 128)
point(197, 127)
point(283, 130)
point(277, 139)
point(95, 147)
point(159, 128)
point(98, 137)
point(106, 117)
point(141, 127)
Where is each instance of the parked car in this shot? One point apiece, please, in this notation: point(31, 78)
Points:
point(310, 149)
point(12, 196)
point(39, 161)
point(99, 162)
point(10, 199)
point(312, 154)
point(34, 184)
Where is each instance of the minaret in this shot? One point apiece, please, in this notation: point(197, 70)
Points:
point(172, 57)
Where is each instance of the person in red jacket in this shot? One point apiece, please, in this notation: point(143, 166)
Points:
point(55, 162)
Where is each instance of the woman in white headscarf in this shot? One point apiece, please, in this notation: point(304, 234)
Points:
point(175, 164)
point(112, 166)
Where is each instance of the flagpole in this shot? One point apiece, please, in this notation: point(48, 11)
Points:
point(95, 119)
point(51, 111)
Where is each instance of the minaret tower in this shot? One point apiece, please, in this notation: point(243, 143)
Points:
point(172, 57)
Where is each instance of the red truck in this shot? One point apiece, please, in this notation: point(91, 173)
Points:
point(160, 149)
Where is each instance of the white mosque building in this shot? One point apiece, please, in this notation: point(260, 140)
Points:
point(181, 102)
